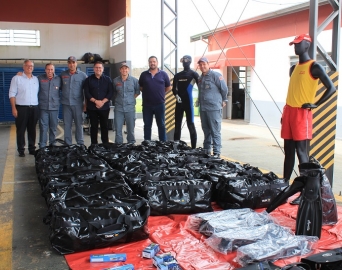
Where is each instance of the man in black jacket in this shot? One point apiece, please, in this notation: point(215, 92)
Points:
point(98, 91)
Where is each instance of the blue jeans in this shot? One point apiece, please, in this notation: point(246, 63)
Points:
point(159, 112)
point(70, 113)
point(211, 126)
point(48, 122)
point(119, 119)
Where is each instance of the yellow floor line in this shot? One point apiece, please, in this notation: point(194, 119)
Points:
point(6, 205)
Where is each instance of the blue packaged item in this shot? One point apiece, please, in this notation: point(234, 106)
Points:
point(151, 250)
point(173, 265)
point(161, 258)
point(122, 267)
point(119, 257)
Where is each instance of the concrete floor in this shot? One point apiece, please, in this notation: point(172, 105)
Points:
point(24, 239)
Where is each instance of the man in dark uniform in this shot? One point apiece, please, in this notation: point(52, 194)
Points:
point(183, 84)
point(98, 91)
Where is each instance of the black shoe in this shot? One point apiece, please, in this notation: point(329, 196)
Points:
point(21, 154)
point(32, 152)
point(216, 155)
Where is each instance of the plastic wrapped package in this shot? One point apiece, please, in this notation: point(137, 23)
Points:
point(227, 222)
point(231, 239)
point(266, 265)
point(295, 245)
point(329, 210)
point(195, 221)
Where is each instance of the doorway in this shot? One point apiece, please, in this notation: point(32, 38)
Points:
point(239, 84)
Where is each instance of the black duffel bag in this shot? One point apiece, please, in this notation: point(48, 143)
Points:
point(248, 191)
point(327, 260)
point(78, 229)
point(177, 196)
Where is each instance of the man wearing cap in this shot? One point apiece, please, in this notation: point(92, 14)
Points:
point(73, 101)
point(153, 85)
point(183, 83)
point(98, 91)
point(213, 92)
point(23, 95)
point(126, 89)
point(296, 123)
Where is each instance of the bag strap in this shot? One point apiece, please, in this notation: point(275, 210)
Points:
point(257, 188)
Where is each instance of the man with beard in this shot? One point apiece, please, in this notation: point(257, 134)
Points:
point(153, 85)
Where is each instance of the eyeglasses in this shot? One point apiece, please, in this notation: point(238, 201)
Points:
point(184, 59)
point(30, 66)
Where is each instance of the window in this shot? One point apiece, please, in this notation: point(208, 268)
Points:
point(118, 36)
point(10, 37)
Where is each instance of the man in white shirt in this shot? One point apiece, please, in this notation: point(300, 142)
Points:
point(23, 95)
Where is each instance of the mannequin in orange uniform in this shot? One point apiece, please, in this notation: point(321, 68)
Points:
point(296, 129)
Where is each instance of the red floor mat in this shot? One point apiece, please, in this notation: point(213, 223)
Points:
point(188, 247)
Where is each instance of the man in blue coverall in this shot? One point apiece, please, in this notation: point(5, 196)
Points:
point(213, 92)
point(126, 89)
point(73, 101)
point(48, 99)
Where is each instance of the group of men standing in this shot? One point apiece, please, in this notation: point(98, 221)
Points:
point(36, 99)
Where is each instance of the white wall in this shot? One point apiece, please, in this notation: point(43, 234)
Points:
point(118, 53)
point(58, 41)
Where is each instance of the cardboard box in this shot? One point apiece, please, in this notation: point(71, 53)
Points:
point(151, 250)
point(115, 257)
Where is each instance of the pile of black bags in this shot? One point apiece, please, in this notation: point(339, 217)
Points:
point(103, 195)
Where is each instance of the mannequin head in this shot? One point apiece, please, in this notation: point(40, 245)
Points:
point(186, 61)
point(301, 47)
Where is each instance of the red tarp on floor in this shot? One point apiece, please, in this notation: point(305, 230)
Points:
point(188, 247)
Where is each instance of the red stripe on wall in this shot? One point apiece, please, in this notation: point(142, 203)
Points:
point(271, 29)
point(89, 12)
